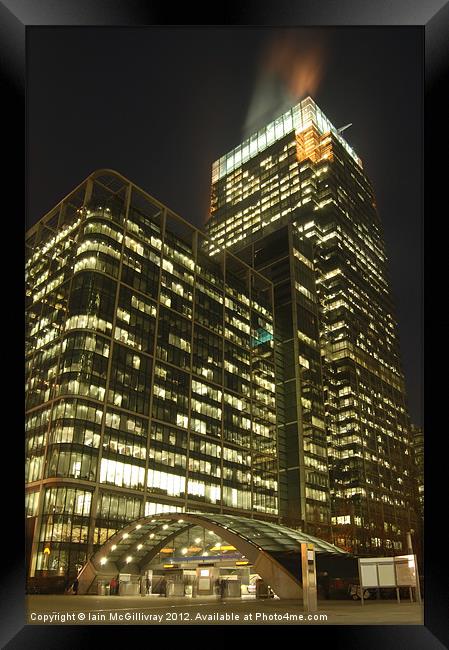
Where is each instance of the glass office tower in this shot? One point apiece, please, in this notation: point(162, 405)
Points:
point(150, 374)
point(293, 201)
point(418, 446)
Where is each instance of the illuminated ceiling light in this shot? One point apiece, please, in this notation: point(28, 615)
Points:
point(138, 526)
point(139, 547)
point(113, 547)
point(152, 535)
point(164, 527)
point(180, 521)
point(128, 559)
point(125, 535)
point(205, 553)
point(198, 540)
point(223, 547)
point(184, 551)
point(103, 560)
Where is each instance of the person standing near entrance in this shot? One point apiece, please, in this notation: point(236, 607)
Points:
point(222, 589)
point(68, 585)
point(75, 586)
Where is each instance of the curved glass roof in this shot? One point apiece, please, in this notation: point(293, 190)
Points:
point(142, 539)
point(272, 537)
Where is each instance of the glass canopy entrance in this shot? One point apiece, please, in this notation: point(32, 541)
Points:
point(197, 549)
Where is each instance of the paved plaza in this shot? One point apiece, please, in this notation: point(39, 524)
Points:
point(138, 610)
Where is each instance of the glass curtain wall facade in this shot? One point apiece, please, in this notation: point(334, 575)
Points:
point(287, 260)
point(150, 374)
point(418, 446)
point(299, 175)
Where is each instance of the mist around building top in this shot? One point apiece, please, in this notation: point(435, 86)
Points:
point(291, 67)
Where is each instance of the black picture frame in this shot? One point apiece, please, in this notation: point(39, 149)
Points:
point(15, 17)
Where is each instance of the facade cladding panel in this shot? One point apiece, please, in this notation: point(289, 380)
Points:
point(294, 202)
point(150, 374)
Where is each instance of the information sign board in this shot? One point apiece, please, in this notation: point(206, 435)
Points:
point(387, 576)
point(368, 575)
point(405, 571)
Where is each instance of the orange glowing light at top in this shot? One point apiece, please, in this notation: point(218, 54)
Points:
point(314, 146)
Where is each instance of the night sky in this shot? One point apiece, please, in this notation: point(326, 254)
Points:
point(161, 104)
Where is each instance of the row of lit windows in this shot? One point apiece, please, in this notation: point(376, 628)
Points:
point(42, 250)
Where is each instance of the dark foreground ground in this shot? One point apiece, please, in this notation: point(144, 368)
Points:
point(153, 610)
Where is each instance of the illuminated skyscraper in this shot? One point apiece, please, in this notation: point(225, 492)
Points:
point(252, 371)
point(293, 201)
point(150, 374)
point(418, 446)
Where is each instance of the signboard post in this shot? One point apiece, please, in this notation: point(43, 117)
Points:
point(308, 577)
